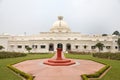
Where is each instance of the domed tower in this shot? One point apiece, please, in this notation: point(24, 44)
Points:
point(60, 26)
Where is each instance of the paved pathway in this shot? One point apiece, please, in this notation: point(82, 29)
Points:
point(46, 72)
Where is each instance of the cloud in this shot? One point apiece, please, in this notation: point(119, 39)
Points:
point(85, 16)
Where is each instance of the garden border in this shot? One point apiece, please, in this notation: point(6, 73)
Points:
point(98, 74)
point(84, 76)
point(21, 73)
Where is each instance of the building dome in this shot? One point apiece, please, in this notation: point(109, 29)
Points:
point(60, 26)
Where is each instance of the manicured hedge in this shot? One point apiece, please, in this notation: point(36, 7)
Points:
point(11, 54)
point(95, 75)
point(77, 52)
point(84, 77)
point(98, 73)
point(114, 56)
point(25, 75)
point(37, 53)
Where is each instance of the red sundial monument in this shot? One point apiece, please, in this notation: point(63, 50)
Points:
point(59, 60)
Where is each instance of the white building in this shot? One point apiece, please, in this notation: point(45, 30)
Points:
point(59, 34)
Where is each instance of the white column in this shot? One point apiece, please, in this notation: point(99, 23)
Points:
point(64, 47)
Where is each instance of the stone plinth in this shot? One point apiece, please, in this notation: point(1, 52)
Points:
point(59, 61)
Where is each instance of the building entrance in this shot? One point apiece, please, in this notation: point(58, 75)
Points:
point(59, 45)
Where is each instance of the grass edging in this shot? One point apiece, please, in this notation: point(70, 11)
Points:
point(96, 74)
point(21, 73)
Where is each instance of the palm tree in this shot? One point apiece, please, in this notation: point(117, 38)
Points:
point(1, 47)
point(116, 33)
point(118, 42)
point(28, 48)
point(100, 46)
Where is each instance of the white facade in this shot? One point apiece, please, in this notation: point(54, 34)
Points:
point(59, 34)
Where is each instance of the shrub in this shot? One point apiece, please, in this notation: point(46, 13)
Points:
point(77, 52)
point(28, 48)
point(11, 54)
point(25, 75)
point(84, 77)
point(98, 73)
point(38, 53)
point(1, 47)
point(95, 75)
point(114, 56)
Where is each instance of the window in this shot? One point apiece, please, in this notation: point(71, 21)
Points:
point(34, 46)
point(76, 46)
point(97, 39)
point(11, 46)
point(43, 46)
point(75, 39)
point(26, 46)
point(116, 41)
point(68, 38)
point(116, 47)
point(51, 38)
point(108, 47)
point(51, 47)
point(19, 46)
point(93, 47)
point(85, 46)
point(105, 40)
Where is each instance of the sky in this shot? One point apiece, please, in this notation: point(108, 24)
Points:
point(84, 16)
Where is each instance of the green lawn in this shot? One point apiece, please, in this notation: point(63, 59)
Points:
point(112, 74)
point(7, 74)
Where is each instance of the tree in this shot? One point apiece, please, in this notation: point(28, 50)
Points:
point(1, 47)
point(118, 42)
point(116, 33)
point(100, 46)
point(104, 35)
point(28, 48)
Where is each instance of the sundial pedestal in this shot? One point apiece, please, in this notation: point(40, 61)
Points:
point(59, 61)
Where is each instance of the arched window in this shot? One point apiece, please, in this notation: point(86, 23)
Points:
point(51, 47)
point(68, 47)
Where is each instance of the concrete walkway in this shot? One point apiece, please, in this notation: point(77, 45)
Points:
point(46, 72)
